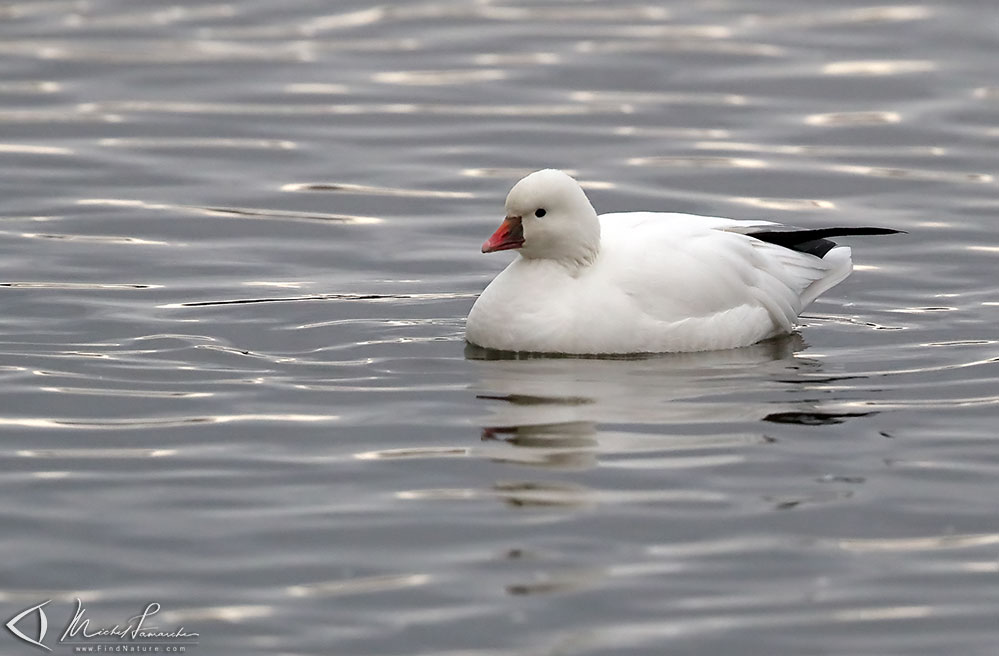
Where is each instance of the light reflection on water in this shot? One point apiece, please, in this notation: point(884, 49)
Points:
point(273, 426)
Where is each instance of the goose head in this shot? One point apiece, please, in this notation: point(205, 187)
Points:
point(548, 217)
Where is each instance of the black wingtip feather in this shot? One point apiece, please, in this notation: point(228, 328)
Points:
point(815, 242)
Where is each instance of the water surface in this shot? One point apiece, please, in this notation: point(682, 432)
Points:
point(238, 246)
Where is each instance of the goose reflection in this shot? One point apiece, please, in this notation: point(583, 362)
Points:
point(680, 414)
point(544, 395)
point(562, 445)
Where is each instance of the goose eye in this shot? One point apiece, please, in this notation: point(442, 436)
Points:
point(540, 212)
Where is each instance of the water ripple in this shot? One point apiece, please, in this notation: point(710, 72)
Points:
point(878, 67)
point(242, 212)
point(915, 174)
point(78, 285)
point(699, 162)
point(29, 149)
point(161, 422)
point(348, 188)
point(441, 77)
point(30, 87)
point(115, 109)
point(786, 204)
point(854, 118)
point(365, 585)
point(831, 17)
point(205, 142)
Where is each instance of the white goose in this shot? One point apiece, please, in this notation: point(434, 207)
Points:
point(645, 282)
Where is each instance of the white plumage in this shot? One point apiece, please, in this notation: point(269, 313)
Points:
point(639, 282)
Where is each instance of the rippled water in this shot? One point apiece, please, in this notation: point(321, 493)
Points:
point(239, 241)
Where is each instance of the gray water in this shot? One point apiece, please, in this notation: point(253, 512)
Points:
point(238, 242)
